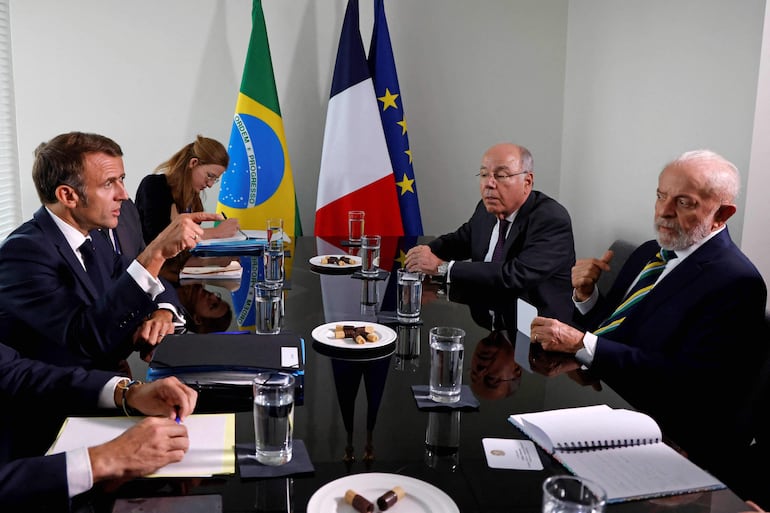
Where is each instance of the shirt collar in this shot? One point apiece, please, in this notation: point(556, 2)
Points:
point(74, 238)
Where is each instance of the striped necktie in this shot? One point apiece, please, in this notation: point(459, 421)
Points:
point(647, 279)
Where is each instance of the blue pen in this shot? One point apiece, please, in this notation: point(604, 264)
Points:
point(177, 419)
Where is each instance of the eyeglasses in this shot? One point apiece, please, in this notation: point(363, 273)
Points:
point(211, 178)
point(499, 177)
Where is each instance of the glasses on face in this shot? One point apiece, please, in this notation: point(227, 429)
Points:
point(211, 178)
point(499, 177)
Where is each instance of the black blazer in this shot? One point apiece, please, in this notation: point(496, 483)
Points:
point(539, 249)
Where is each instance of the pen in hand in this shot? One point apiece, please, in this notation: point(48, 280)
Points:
point(178, 420)
point(241, 231)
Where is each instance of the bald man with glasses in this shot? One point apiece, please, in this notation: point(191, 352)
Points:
point(517, 241)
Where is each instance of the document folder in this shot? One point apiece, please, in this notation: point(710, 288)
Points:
point(221, 366)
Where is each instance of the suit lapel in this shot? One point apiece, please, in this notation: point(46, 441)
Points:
point(52, 233)
point(681, 276)
point(519, 222)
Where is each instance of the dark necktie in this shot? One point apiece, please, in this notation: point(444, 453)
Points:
point(646, 281)
point(497, 254)
point(92, 267)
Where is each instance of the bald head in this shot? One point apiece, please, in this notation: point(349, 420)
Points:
point(505, 178)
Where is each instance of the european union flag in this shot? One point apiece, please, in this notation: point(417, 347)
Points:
point(383, 71)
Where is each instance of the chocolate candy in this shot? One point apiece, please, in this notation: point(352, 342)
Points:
point(358, 502)
point(389, 498)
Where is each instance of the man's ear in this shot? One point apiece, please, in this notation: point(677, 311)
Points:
point(67, 196)
point(723, 213)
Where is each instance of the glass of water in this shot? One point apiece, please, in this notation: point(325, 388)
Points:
point(446, 363)
point(370, 255)
point(572, 494)
point(409, 295)
point(273, 417)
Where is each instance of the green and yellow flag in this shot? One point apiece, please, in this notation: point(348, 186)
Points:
point(258, 183)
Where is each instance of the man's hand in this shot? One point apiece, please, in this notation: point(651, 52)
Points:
point(167, 397)
point(151, 332)
point(554, 335)
point(144, 448)
point(586, 272)
point(421, 258)
point(183, 233)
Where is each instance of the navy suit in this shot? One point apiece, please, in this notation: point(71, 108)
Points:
point(689, 352)
point(38, 482)
point(539, 255)
point(50, 310)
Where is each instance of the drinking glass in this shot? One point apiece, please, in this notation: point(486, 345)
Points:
point(446, 364)
point(370, 254)
point(409, 299)
point(273, 417)
point(355, 225)
point(572, 494)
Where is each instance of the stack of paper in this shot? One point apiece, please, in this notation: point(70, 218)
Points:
point(212, 438)
point(231, 271)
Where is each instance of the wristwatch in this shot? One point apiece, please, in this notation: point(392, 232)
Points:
point(442, 268)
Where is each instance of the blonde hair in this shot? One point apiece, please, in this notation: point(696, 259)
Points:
point(207, 151)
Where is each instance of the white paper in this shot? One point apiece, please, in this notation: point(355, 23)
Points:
point(511, 454)
point(212, 440)
point(525, 314)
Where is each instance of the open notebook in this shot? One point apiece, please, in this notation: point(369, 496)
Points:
point(621, 450)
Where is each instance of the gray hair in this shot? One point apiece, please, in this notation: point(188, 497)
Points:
point(724, 180)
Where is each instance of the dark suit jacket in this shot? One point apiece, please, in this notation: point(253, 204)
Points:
point(37, 482)
point(539, 249)
point(49, 308)
point(689, 352)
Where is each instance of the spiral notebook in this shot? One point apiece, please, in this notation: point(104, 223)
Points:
point(621, 450)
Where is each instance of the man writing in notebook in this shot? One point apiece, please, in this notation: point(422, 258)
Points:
point(518, 240)
point(681, 332)
point(39, 482)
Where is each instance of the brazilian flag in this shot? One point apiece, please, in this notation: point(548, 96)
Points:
point(258, 183)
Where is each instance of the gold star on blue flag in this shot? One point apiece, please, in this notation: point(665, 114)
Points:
point(383, 70)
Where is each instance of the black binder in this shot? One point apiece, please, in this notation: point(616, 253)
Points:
point(221, 366)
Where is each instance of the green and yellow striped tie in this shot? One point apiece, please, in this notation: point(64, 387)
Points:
point(647, 278)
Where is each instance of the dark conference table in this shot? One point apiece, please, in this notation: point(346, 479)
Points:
point(399, 433)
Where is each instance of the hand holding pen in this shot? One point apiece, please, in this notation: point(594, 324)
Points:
point(239, 228)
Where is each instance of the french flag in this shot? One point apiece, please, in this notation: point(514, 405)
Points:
point(356, 171)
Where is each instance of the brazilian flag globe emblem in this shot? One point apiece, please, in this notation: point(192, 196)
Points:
point(253, 176)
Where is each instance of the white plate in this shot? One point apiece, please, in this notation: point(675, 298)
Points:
point(420, 496)
point(325, 335)
point(316, 261)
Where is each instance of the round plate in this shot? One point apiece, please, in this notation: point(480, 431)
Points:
point(420, 496)
point(316, 261)
point(324, 334)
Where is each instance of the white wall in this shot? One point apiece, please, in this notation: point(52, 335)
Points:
point(647, 81)
point(153, 74)
point(756, 236)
